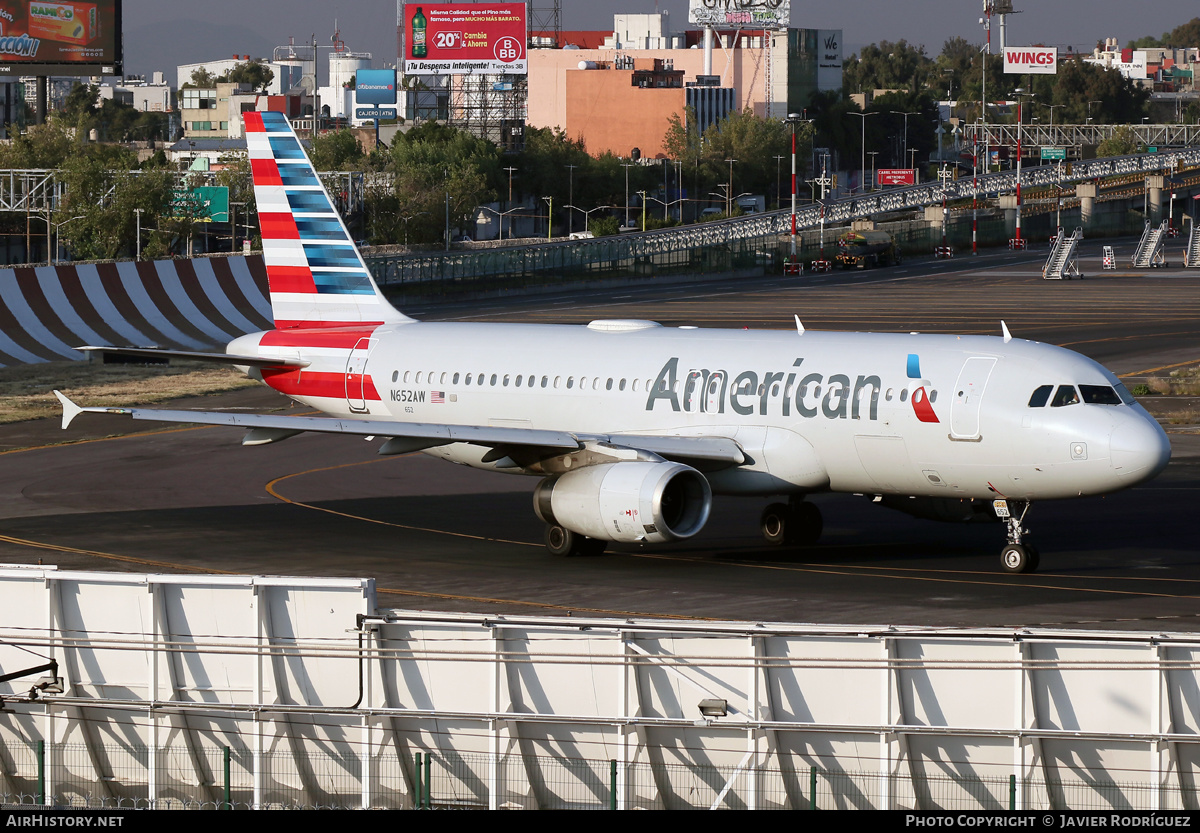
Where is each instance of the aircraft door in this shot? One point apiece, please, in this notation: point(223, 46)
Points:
point(968, 396)
point(356, 376)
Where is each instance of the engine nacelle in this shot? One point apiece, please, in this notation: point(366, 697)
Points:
point(627, 501)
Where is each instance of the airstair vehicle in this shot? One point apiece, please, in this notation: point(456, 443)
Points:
point(1063, 261)
point(1191, 254)
point(1150, 253)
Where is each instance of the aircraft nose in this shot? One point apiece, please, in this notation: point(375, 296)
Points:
point(1140, 449)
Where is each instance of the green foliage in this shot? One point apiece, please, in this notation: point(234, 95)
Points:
point(1115, 99)
point(887, 66)
point(1186, 34)
point(604, 226)
point(255, 74)
point(1141, 390)
point(203, 79)
point(40, 146)
point(1123, 141)
point(336, 151)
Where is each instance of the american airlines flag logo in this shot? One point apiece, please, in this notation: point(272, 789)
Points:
point(437, 397)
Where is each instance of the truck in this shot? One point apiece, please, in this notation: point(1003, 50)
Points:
point(863, 249)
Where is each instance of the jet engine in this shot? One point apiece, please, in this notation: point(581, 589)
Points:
point(654, 502)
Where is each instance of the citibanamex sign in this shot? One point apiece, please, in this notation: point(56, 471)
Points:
point(1037, 60)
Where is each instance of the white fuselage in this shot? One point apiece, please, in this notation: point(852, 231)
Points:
point(934, 415)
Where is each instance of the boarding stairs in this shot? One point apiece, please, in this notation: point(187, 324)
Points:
point(1063, 261)
point(1191, 254)
point(1150, 252)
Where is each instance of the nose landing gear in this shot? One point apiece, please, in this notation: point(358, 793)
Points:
point(1016, 556)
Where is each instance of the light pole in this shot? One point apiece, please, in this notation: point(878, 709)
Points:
point(587, 213)
point(906, 115)
point(1020, 94)
point(549, 216)
point(626, 166)
point(863, 162)
point(1051, 108)
point(137, 254)
point(729, 196)
point(872, 154)
point(778, 194)
point(571, 196)
point(793, 120)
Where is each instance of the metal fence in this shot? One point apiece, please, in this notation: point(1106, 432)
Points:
point(37, 774)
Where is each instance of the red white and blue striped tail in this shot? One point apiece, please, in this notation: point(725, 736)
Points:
point(316, 275)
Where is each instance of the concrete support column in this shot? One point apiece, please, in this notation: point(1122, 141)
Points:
point(1154, 206)
point(1086, 191)
point(1008, 204)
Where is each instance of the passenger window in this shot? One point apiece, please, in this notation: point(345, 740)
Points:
point(455, 379)
point(493, 380)
point(1065, 395)
point(608, 385)
point(1099, 395)
point(570, 382)
point(1040, 396)
point(545, 381)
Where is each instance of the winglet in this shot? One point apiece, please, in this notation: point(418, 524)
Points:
point(1004, 330)
point(70, 409)
point(799, 326)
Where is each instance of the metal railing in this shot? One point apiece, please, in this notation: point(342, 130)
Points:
point(37, 774)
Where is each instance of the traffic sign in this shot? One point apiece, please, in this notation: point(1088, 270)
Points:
point(1054, 153)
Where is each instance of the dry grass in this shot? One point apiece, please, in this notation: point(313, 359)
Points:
point(25, 390)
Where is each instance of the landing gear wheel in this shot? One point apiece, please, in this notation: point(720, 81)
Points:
point(1019, 558)
point(562, 541)
point(795, 524)
point(775, 523)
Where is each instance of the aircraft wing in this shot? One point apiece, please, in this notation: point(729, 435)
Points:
point(220, 358)
point(413, 436)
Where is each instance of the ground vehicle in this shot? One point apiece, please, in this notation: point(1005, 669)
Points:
point(863, 249)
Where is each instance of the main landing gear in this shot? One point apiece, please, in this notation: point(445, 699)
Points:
point(1016, 557)
point(562, 541)
point(796, 523)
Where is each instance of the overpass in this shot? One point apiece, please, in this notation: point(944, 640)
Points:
point(758, 230)
point(1075, 137)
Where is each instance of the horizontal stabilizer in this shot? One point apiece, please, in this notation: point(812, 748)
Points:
point(220, 358)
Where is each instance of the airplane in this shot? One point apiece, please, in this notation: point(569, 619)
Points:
point(632, 426)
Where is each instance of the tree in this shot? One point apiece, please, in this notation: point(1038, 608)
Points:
point(337, 150)
point(40, 146)
point(1123, 141)
point(255, 74)
point(887, 66)
point(1117, 99)
point(203, 79)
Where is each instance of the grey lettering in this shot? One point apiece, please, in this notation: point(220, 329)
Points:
point(745, 385)
point(834, 404)
point(664, 385)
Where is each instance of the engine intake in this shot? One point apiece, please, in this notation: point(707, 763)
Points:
point(627, 501)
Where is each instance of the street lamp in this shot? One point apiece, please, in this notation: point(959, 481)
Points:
point(571, 196)
point(729, 202)
point(1021, 94)
point(1051, 108)
point(794, 119)
point(626, 166)
point(863, 168)
point(906, 115)
point(587, 213)
point(778, 195)
point(872, 154)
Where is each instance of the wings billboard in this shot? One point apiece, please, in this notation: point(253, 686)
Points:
point(464, 38)
point(60, 38)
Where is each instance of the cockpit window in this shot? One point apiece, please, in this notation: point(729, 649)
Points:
point(1099, 395)
point(1040, 396)
point(1065, 395)
point(1124, 393)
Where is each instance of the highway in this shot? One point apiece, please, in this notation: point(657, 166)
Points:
point(441, 537)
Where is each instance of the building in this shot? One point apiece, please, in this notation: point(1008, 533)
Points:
point(769, 73)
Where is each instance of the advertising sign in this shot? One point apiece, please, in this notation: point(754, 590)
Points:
point(895, 176)
point(740, 14)
point(463, 38)
point(375, 86)
point(60, 38)
point(1037, 60)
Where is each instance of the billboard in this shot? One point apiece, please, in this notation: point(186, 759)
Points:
point(895, 176)
point(61, 37)
point(464, 38)
point(375, 86)
point(740, 14)
point(1036, 60)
